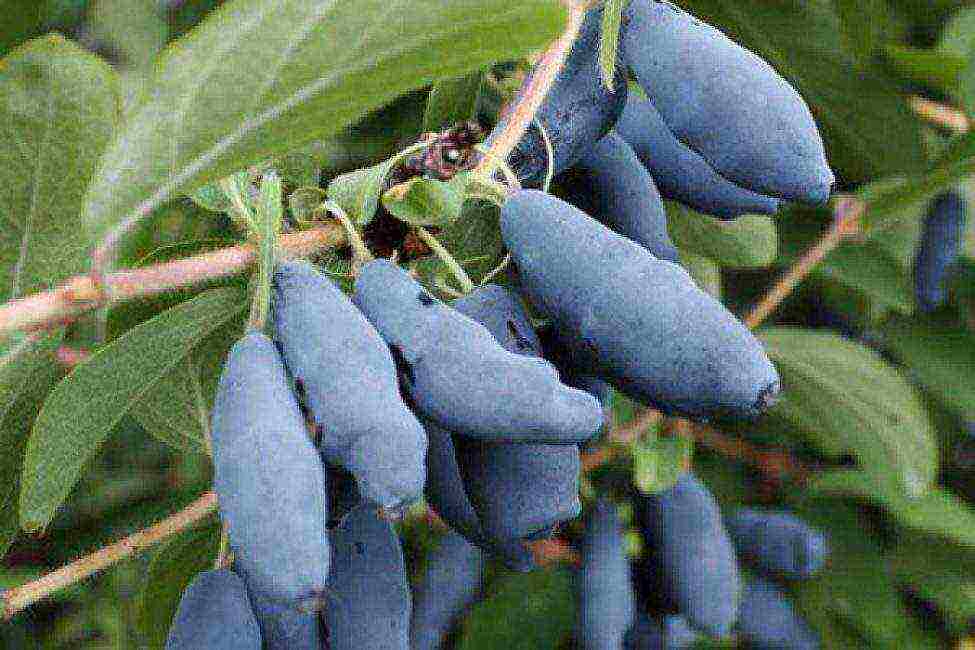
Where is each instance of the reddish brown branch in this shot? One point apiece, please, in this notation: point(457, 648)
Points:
point(846, 217)
point(81, 294)
point(946, 116)
point(518, 115)
point(19, 598)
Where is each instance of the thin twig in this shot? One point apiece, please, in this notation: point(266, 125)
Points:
point(466, 285)
point(846, 217)
point(518, 115)
point(946, 116)
point(19, 598)
point(552, 550)
point(80, 294)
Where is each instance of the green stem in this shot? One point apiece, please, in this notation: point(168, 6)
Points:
point(455, 269)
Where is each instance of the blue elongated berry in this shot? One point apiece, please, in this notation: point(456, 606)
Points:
point(459, 376)
point(581, 377)
point(768, 621)
point(214, 614)
point(368, 604)
point(672, 633)
point(692, 553)
point(576, 112)
point(447, 495)
point(725, 103)
point(269, 477)
point(518, 490)
point(350, 386)
point(284, 626)
point(610, 184)
point(449, 586)
point(938, 250)
point(778, 543)
point(680, 173)
point(638, 321)
point(606, 599)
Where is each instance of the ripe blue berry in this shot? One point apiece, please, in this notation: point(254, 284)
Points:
point(350, 386)
point(449, 587)
point(269, 477)
point(576, 112)
point(768, 621)
point(680, 173)
point(459, 376)
point(778, 543)
point(368, 604)
point(214, 613)
point(938, 250)
point(638, 321)
point(610, 184)
point(689, 547)
point(725, 103)
point(606, 599)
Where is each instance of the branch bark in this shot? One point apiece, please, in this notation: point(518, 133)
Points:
point(82, 293)
point(19, 598)
point(517, 116)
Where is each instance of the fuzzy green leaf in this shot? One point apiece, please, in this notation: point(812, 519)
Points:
point(86, 406)
point(427, 201)
point(844, 398)
point(748, 242)
point(260, 78)
point(452, 101)
point(58, 111)
point(528, 611)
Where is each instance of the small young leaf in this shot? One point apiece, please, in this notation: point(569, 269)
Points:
point(748, 242)
point(59, 106)
point(171, 570)
point(474, 240)
point(452, 101)
point(357, 192)
point(705, 271)
point(609, 39)
point(85, 407)
point(427, 201)
point(659, 463)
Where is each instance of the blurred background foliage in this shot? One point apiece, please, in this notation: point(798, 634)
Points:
point(872, 383)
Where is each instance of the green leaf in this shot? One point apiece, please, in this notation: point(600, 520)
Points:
point(452, 101)
point(844, 398)
point(856, 592)
point(357, 192)
point(936, 68)
point(26, 377)
point(937, 512)
point(705, 271)
point(261, 78)
point(867, 25)
point(171, 570)
point(21, 20)
point(528, 611)
point(805, 42)
point(474, 241)
point(941, 357)
point(84, 407)
point(658, 464)
point(941, 574)
point(609, 39)
point(427, 201)
point(748, 242)
point(58, 109)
